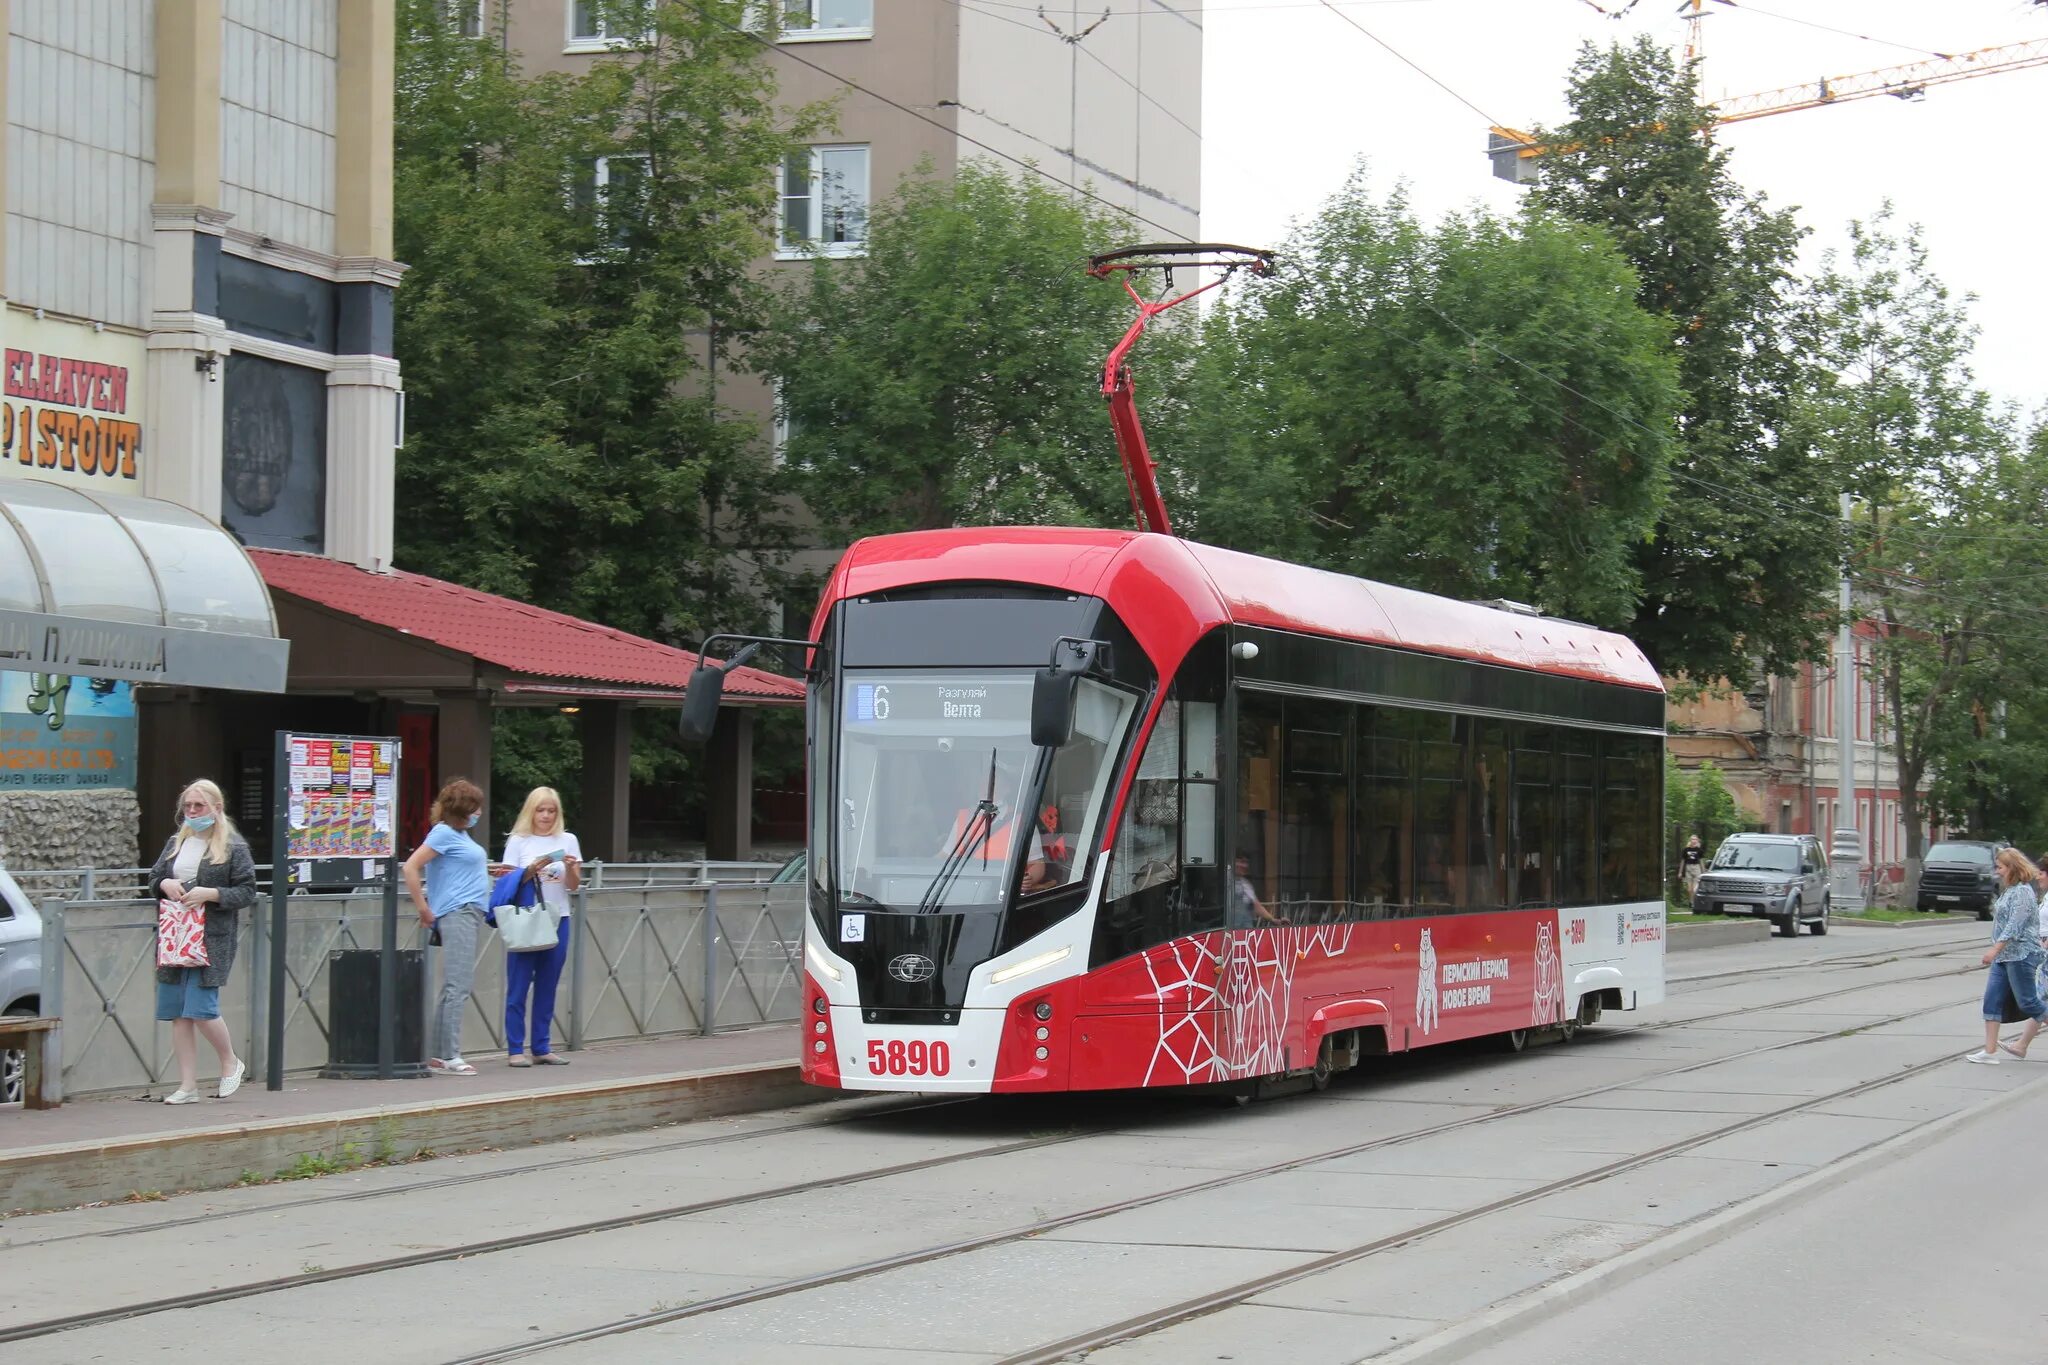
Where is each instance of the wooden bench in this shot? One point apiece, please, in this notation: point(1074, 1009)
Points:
point(29, 1035)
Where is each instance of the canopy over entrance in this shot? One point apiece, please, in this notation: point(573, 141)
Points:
point(112, 586)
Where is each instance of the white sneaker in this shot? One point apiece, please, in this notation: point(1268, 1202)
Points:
point(182, 1097)
point(1982, 1058)
point(232, 1082)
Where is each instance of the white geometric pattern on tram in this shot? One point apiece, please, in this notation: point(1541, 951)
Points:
point(1251, 976)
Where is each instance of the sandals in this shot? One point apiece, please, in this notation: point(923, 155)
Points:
point(518, 1059)
point(453, 1067)
point(549, 1059)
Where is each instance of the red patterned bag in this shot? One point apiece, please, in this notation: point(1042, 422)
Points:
point(180, 934)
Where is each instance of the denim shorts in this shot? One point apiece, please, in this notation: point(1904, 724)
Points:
point(185, 998)
point(2014, 981)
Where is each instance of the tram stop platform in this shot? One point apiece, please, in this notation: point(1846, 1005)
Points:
point(108, 1148)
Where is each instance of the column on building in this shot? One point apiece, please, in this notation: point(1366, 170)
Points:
point(607, 734)
point(187, 340)
point(363, 392)
point(729, 802)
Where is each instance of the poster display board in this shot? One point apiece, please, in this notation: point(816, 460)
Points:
point(340, 807)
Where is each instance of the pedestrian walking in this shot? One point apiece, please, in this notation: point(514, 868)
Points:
point(540, 844)
point(1691, 859)
point(205, 865)
point(2013, 957)
point(450, 881)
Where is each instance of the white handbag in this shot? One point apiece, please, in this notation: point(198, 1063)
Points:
point(527, 928)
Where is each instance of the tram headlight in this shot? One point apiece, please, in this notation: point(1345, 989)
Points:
point(818, 1005)
point(1027, 966)
point(1044, 1053)
point(818, 960)
point(818, 1046)
point(1044, 1009)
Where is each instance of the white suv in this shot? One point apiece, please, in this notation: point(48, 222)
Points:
point(21, 973)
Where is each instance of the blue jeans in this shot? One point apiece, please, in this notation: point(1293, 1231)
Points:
point(540, 972)
point(2015, 982)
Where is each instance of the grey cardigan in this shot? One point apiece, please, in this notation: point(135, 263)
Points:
point(236, 881)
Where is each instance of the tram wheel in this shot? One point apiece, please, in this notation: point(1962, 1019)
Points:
point(1568, 1030)
point(1326, 1066)
point(1514, 1040)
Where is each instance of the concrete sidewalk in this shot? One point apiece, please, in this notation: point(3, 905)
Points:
point(111, 1148)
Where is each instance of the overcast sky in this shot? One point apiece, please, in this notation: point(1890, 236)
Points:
point(1293, 96)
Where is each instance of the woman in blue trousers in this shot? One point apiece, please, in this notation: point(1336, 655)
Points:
point(539, 844)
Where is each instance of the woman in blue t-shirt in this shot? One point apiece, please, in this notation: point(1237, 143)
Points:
point(450, 881)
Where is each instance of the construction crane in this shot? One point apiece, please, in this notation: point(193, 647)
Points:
point(1514, 152)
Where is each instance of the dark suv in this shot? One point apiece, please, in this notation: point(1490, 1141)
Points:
point(1779, 877)
point(1960, 874)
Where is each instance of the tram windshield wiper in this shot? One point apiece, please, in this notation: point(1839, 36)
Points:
point(973, 835)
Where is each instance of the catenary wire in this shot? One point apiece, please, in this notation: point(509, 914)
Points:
point(789, 54)
point(1332, 8)
point(1745, 8)
point(977, 7)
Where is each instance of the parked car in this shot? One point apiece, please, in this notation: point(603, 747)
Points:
point(21, 974)
point(790, 872)
point(1960, 874)
point(1779, 877)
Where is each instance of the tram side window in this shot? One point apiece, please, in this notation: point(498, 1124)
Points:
point(1314, 874)
point(1441, 823)
point(1622, 850)
point(1576, 832)
point(1386, 810)
point(1535, 834)
point(824, 719)
point(1487, 817)
point(1259, 754)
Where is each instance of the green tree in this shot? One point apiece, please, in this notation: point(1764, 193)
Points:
point(952, 375)
point(1951, 515)
point(1738, 572)
point(1476, 408)
point(580, 253)
point(1679, 791)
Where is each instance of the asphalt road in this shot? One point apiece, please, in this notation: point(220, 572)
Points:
point(1419, 1195)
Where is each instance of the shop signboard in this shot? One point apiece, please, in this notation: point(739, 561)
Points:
point(71, 403)
point(64, 733)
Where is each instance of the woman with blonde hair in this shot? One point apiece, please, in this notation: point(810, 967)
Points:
point(204, 864)
point(450, 882)
point(539, 844)
point(2014, 954)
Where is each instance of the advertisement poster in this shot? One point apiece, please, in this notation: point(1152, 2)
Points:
point(60, 733)
point(339, 797)
point(70, 403)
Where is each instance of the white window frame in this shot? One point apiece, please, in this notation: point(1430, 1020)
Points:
point(459, 15)
point(814, 33)
point(814, 244)
point(600, 41)
point(780, 428)
point(600, 181)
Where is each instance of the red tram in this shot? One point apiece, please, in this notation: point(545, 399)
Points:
point(1102, 809)
point(1298, 818)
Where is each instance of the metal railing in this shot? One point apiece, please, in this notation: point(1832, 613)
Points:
point(644, 962)
point(126, 883)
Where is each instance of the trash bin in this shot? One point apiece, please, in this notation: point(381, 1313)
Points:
point(352, 1014)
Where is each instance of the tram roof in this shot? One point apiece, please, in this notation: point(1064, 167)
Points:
point(1154, 573)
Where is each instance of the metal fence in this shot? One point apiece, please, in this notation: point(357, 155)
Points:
point(126, 883)
point(638, 968)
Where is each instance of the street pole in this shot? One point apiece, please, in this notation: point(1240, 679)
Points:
point(1845, 855)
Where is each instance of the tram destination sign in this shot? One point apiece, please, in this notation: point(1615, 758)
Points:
point(929, 701)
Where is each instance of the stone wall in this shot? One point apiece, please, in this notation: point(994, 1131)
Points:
point(68, 829)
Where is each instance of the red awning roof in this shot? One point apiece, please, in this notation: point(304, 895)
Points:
point(514, 636)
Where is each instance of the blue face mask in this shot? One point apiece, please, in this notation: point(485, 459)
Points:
point(474, 816)
point(199, 824)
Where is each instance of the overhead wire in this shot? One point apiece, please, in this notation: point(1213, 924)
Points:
point(1405, 61)
point(1744, 7)
point(788, 53)
point(976, 7)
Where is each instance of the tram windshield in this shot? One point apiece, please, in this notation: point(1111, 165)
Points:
point(941, 795)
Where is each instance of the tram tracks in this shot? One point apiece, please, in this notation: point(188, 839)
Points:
point(741, 1298)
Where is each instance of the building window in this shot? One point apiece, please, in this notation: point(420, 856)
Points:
point(825, 202)
point(781, 430)
point(613, 192)
point(465, 17)
point(594, 26)
point(809, 21)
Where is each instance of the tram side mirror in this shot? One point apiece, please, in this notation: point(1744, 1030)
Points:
point(1056, 689)
point(700, 704)
point(700, 697)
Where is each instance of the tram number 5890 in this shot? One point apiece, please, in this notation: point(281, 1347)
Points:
point(913, 1058)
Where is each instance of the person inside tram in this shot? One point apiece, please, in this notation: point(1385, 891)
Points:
point(994, 847)
point(1250, 910)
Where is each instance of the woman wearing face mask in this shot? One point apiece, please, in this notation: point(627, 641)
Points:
point(450, 882)
point(206, 863)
